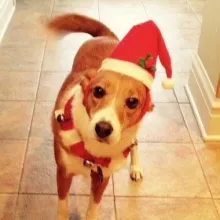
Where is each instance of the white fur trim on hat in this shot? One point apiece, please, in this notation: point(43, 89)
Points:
point(128, 69)
point(168, 83)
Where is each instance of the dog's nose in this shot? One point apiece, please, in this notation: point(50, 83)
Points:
point(103, 129)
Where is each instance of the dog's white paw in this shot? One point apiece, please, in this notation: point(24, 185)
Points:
point(136, 173)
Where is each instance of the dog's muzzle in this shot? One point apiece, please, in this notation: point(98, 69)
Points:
point(103, 129)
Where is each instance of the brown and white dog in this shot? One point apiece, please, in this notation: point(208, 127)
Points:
point(104, 111)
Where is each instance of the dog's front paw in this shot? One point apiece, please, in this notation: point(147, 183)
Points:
point(136, 173)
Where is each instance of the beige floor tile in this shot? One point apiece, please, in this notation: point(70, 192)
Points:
point(191, 123)
point(79, 206)
point(88, 8)
point(34, 6)
point(24, 19)
point(126, 6)
point(181, 61)
point(176, 21)
point(76, 3)
point(70, 41)
point(20, 85)
point(58, 59)
point(41, 125)
point(165, 209)
point(181, 79)
point(182, 38)
point(50, 84)
point(39, 168)
point(44, 207)
point(159, 94)
point(209, 155)
point(23, 38)
point(164, 124)
point(17, 119)
point(217, 203)
point(167, 173)
point(36, 207)
point(122, 19)
point(121, 23)
point(11, 163)
point(25, 29)
point(40, 177)
point(21, 58)
point(166, 7)
point(89, 12)
point(7, 206)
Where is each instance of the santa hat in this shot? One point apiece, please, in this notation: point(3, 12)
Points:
point(137, 53)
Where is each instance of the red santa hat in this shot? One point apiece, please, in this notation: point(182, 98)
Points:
point(136, 55)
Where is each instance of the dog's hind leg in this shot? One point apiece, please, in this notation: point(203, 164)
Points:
point(63, 186)
point(97, 190)
point(136, 172)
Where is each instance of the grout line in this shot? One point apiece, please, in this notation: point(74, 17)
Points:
point(161, 197)
point(27, 139)
point(45, 101)
point(206, 180)
point(140, 141)
point(98, 10)
point(27, 144)
point(163, 142)
point(53, 101)
point(15, 139)
point(193, 10)
point(115, 196)
point(19, 100)
point(115, 206)
point(145, 9)
point(199, 161)
point(25, 154)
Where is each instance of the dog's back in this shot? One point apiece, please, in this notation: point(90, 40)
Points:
point(91, 53)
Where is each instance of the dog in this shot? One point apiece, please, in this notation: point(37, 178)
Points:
point(96, 116)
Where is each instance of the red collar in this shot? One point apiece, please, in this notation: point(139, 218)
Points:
point(79, 149)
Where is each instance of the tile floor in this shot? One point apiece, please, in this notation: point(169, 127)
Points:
point(181, 173)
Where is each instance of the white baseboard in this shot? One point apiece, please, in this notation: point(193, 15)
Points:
point(203, 100)
point(7, 8)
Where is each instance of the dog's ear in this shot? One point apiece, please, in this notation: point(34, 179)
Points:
point(85, 82)
point(87, 77)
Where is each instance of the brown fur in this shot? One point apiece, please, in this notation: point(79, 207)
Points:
point(84, 72)
point(98, 188)
point(121, 87)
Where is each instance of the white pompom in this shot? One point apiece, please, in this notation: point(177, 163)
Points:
point(168, 83)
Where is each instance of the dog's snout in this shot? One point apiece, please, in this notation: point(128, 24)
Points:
point(103, 129)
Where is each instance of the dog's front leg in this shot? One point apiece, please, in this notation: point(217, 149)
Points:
point(63, 187)
point(97, 190)
point(136, 172)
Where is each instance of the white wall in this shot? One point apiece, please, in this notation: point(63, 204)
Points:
point(209, 45)
point(202, 88)
point(6, 11)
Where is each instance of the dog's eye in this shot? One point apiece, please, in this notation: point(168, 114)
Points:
point(98, 92)
point(132, 103)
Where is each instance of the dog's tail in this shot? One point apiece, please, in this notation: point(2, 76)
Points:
point(79, 23)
